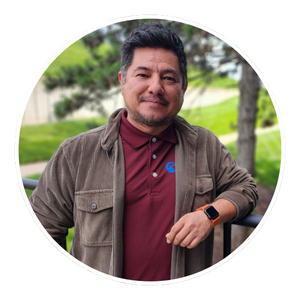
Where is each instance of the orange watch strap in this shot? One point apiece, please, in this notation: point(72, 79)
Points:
point(203, 207)
point(215, 221)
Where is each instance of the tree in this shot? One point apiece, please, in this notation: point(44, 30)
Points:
point(249, 88)
point(207, 55)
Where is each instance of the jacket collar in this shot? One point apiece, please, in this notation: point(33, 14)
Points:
point(185, 128)
point(112, 129)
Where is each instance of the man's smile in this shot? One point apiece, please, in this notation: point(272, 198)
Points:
point(155, 100)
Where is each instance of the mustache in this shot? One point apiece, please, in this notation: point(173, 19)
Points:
point(155, 99)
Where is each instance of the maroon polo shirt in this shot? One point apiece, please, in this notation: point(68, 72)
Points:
point(149, 204)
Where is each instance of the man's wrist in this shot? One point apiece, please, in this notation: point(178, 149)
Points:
point(211, 213)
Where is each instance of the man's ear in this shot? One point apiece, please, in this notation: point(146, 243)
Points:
point(121, 80)
point(186, 85)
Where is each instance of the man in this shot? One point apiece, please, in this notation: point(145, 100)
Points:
point(145, 191)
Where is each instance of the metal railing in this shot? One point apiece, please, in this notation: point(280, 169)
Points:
point(248, 221)
point(29, 183)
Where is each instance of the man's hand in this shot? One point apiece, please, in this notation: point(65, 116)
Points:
point(190, 230)
point(194, 227)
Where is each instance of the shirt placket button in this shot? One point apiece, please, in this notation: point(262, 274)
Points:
point(154, 139)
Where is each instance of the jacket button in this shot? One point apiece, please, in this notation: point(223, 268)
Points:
point(93, 206)
point(200, 189)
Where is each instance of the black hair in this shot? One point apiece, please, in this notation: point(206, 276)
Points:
point(153, 35)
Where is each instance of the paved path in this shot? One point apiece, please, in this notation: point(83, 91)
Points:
point(228, 138)
point(33, 168)
point(196, 97)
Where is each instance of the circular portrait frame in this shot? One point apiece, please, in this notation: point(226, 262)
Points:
point(50, 60)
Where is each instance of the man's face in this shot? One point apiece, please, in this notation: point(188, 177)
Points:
point(152, 92)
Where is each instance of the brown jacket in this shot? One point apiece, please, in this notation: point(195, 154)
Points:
point(83, 186)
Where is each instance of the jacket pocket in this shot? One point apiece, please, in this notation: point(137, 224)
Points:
point(203, 191)
point(94, 209)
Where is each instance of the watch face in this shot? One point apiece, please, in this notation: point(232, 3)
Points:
point(211, 212)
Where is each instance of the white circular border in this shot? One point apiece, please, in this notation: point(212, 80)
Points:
point(38, 75)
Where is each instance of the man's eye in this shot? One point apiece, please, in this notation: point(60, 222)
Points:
point(170, 78)
point(141, 75)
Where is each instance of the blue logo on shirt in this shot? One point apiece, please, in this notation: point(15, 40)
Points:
point(170, 167)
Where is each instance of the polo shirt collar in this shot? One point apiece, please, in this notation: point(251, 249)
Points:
point(137, 138)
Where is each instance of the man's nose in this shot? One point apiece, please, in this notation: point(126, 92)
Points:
point(155, 86)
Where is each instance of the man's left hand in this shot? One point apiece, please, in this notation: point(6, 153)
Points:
point(190, 230)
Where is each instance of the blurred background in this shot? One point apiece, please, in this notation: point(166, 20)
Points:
point(80, 89)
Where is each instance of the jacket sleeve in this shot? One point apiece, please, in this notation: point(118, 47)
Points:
point(234, 183)
point(52, 200)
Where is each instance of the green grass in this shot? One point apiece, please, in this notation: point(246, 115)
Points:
point(267, 158)
point(39, 142)
point(220, 118)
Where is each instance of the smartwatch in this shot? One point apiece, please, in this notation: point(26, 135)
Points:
point(211, 213)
